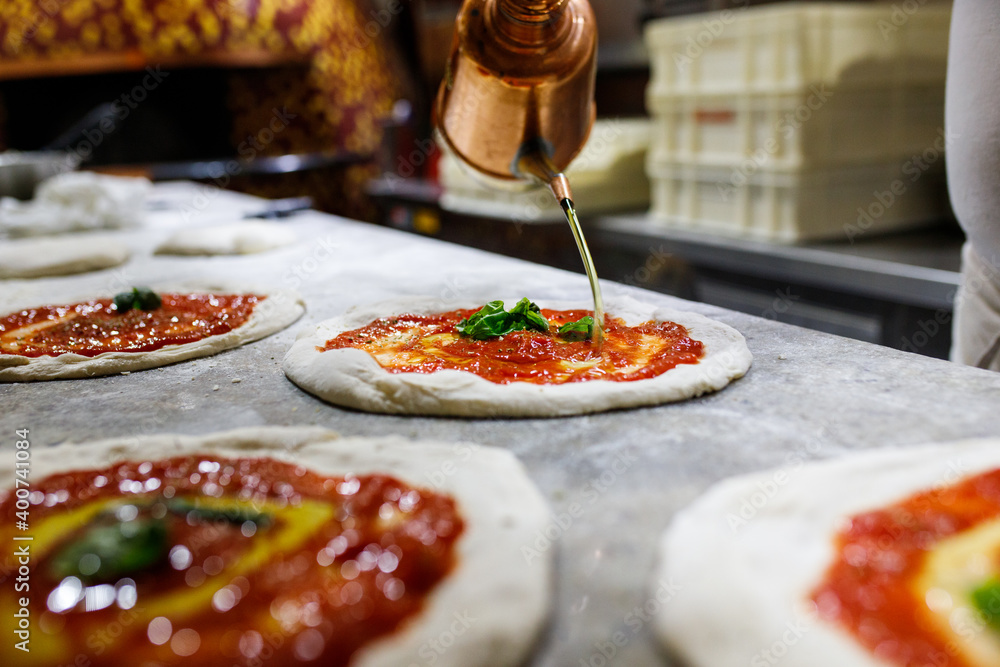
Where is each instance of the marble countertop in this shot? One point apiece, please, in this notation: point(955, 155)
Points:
point(808, 396)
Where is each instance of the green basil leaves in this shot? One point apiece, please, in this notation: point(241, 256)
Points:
point(492, 321)
point(111, 549)
point(140, 298)
point(582, 329)
point(987, 600)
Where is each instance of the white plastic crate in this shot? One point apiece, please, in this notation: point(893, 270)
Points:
point(816, 127)
point(608, 175)
point(843, 204)
point(783, 48)
point(802, 113)
point(803, 86)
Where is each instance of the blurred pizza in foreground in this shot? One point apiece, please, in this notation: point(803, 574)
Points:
point(284, 546)
point(877, 559)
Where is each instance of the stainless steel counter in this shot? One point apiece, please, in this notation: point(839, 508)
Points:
point(808, 394)
point(918, 267)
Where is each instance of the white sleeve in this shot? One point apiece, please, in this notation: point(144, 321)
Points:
point(972, 121)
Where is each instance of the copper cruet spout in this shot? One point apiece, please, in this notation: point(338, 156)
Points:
point(517, 102)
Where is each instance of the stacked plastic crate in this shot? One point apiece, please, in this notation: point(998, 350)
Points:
point(796, 122)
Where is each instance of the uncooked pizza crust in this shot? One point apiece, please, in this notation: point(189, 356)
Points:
point(280, 309)
point(239, 238)
point(487, 611)
point(352, 378)
point(77, 201)
point(39, 258)
point(744, 558)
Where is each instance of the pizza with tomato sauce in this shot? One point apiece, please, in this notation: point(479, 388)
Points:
point(277, 546)
point(428, 356)
point(882, 559)
point(139, 328)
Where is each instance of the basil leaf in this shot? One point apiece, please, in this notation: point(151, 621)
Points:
point(492, 320)
point(140, 298)
point(121, 548)
point(987, 601)
point(531, 315)
point(124, 301)
point(234, 515)
point(146, 299)
point(488, 321)
point(582, 329)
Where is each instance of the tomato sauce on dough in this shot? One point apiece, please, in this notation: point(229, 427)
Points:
point(869, 589)
point(244, 561)
point(430, 343)
point(94, 327)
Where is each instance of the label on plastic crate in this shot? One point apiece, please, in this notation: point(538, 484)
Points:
point(714, 116)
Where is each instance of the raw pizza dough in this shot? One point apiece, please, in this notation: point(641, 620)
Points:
point(280, 309)
point(238, 238)
point(39, 258)
point(352, 378)
point(77, 201)
point(502, 598)
point(745, 557)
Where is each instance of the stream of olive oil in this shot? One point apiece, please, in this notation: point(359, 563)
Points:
point(588, 265)
point(532, 160)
